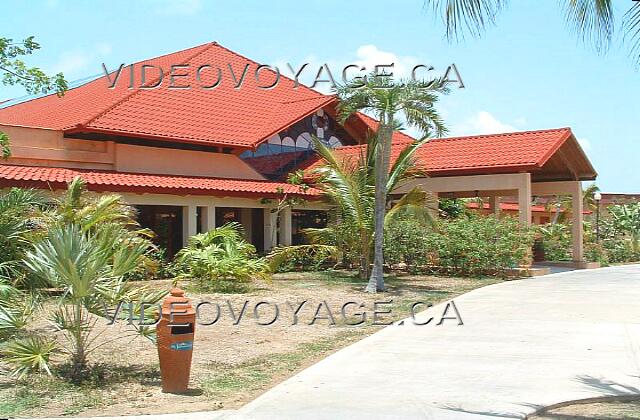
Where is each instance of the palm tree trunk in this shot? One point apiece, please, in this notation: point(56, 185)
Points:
point(385, 132)
point(79, 357)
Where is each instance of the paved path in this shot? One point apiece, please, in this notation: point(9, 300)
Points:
point(524, 344)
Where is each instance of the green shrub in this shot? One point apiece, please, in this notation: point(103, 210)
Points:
point(467, 246)
point(302, 258)
point(154, 265)
point(556, 241)
point(220, 258)
point(619, 250)
point(594, 252)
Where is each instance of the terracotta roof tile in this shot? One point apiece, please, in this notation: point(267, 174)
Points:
point(100, 180)
point(524, 150)
point(241, 117)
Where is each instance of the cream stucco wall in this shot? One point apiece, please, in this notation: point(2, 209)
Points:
point(42, 147)
point(156, 160)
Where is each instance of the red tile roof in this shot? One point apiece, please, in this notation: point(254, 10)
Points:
point(536, 208)
point(101, 180)
point(227, 116)
point(372, 124)
point(507, 152)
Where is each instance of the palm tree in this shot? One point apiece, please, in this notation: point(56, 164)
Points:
point(89, 268)
point(386, 99)
point(91, 245)
point(593, 20)
point(349, 184)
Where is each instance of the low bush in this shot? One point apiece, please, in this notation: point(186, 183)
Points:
point(303, 258)
point(219, 259)
point(556, 241)
point(467, 246)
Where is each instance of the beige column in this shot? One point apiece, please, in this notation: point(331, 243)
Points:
point(189, 222)
point(208, 218)
point(246, 222)
point(576, 222)
point(285, 226)
point(270, 227)
point(494, 204)
point(524, 199)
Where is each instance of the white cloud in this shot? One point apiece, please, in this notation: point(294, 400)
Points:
point(178, 7)
point(585, 144)
point(370, 56)
point(482, 123)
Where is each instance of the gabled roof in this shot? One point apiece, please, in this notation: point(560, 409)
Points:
point(226, 116)
point(100, 180)
point(548, 154)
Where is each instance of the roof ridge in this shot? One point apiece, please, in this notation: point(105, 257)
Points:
point(37, 97)
point(128, 96)
point(282, 75)
point(510, 133)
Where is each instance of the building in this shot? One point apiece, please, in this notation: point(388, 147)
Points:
point(193, 158)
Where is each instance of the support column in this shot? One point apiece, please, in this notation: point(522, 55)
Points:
point(208, 218)
point(285, 226)
point(576, 222)
point(245, 221)
point(189, 223)
point(494, 204)
point(524, 200)
point(270, 227)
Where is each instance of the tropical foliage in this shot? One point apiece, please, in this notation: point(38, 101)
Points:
point(84, 247)
point(348, 183)
point(626, 220)
point(593, 20)
point(221, 258)
point(388, 100)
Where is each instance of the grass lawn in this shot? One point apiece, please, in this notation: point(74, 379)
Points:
point(232, 364)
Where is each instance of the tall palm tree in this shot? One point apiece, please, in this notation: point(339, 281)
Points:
point(592, 20)
point(387, 99)
point(348, 182)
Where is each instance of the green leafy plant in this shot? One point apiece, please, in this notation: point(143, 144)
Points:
point(388, 99)
point(89, 268)
point(348, 183)
point(30, 354)
point(219, 257)
point(556, 241)
point(302, 257)
point(626, 220)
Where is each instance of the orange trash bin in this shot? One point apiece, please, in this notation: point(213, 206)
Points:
point(175, 341)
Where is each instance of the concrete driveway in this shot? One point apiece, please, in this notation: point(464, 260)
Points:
point(524, 344)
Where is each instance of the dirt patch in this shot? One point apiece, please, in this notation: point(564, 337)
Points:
point(235, 359)
point(606, 410)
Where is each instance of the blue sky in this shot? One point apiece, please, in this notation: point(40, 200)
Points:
point(529, 72)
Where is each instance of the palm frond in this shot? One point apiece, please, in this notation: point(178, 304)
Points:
point(631, 28)
point(30, 354)
point(592, 20)
point(465, 16)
